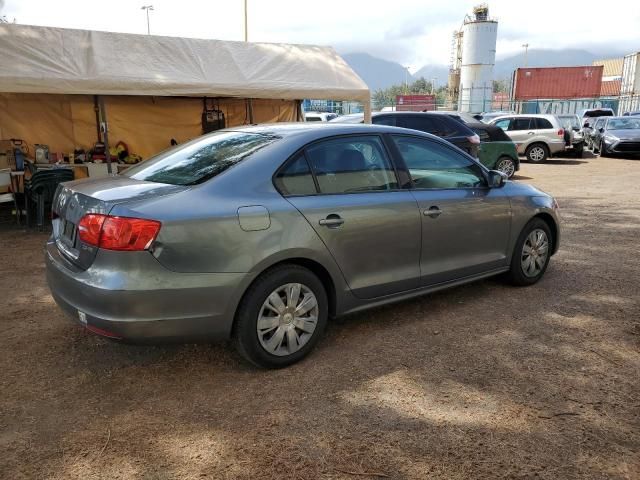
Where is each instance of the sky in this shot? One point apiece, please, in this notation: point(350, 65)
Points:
point(411, 32)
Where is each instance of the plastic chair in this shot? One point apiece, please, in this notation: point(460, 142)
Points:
point(40, 189)
point(5, 183)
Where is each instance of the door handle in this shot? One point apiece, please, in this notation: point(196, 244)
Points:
point(433, 212)
point(531, 133)
point(332, 221)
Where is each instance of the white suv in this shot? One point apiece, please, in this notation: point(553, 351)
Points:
point(537, 137)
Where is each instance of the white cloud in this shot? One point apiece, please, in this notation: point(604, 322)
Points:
point(411, 32)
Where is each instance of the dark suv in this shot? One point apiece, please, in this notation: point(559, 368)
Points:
point(439, 125)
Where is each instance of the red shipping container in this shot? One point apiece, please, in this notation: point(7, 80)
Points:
point(415, 103)
point(557, 82)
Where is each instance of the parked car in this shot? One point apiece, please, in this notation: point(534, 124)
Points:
point(589, 117)
point(439, 125)
point(319, 116)
point(537, 137)
point(626, 114)
point(595, 135)
point(497, 151)
point(618, 135)
point(573, 135)
point(487, 117)
point(260, 234)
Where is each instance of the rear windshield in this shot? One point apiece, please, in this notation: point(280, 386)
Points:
point(569, 121)
point(201, 159)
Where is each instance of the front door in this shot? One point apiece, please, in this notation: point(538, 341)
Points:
point(370, 226)
point(465, 224)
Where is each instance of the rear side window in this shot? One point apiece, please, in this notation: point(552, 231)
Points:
point(421, 123)
point(385, 120)
point(351, 164)
point(520, 124)
point(483, 134)
point(201, 159)
point(541, 123)
point(295, 178)
point(454, 128)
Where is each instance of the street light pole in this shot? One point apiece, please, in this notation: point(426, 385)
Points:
point(147, 8)
point(246, 23)
point(526, 50)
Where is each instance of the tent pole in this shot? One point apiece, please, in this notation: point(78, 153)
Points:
point(299, 114)
point(367, 111)
point(105, 132)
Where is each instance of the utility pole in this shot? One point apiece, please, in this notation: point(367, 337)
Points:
point(406, 80)
point(526, 50)
point(433, 85)
point(246, 22)
point(147, 8)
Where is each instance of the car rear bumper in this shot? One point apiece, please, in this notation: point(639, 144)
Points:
point(136, 299)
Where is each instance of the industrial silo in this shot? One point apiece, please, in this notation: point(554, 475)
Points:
point(479, 34)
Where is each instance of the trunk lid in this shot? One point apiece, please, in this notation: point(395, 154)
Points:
point(75, 199)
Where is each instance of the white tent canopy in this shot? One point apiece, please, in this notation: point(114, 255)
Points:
point(65, 61)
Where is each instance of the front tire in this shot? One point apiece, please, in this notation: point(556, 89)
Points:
point(537, 153)
point(281, 317)
point(531, 253)
point(603, 150)
point(506, 165)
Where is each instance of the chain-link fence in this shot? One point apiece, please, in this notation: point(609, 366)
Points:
point(620, 105)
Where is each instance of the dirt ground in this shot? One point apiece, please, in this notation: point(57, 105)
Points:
point(481, 381)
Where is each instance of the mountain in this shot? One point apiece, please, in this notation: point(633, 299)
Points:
point(380, 74)
point(376, 72)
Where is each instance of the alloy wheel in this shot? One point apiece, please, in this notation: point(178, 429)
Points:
point(287, 319)
point(535, 253)
point(537, 154)
point(506, 166)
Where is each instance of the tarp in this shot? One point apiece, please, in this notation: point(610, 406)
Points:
point(145, 124)
point(65, 61)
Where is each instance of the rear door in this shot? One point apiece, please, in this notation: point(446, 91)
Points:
point(369, 224)
point(465, 224)
point(521, 132)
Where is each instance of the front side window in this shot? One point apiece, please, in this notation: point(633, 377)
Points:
point(520, 124)
point(295, 178)
point(351, 164)
point(435, 166)
point(503, 124)
point(201, 159)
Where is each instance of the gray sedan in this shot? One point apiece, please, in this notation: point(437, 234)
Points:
point(260, 234)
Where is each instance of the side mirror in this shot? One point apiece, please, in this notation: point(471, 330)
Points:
point(586, 125)
point(601, 129)
point(496, 179)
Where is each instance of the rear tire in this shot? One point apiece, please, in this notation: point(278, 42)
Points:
point(537, 153)
point(531, 253)
point(506, 165)
point(277, 337)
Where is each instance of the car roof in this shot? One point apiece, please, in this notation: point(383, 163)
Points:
point(317, 130)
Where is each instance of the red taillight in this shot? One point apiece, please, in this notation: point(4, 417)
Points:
point(474, 139)
point(561, 132)
point(90, 227)
point(118, 233)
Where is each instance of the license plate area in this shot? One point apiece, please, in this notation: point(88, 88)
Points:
point(69, 231)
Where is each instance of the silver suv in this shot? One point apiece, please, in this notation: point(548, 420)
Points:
point(537, 137)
